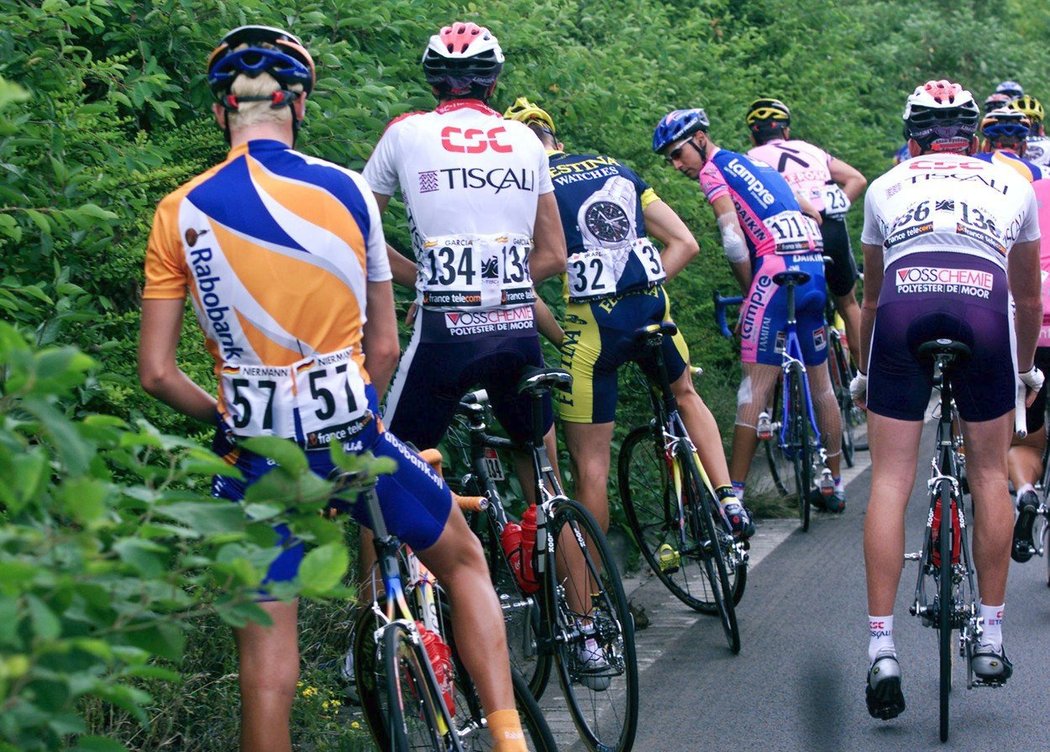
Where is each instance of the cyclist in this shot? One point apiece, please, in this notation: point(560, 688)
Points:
point(1037, 146)
point(614, 286)
point(953, 237)
point(1004, 133)
point(830, 184)
point(995, 101)
point(285, 261)
point(484, 226)
point(764, 231)
point(1010, 89)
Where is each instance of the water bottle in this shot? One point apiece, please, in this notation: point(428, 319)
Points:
point(440, 655)
point(528, 581)
point(764, 429)
point(935, 534)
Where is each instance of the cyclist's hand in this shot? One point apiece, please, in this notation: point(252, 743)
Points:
point(410, 317)
point(858, 389)
point(1033, 380)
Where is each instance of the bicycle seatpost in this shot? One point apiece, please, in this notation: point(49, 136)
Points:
point(653, 336)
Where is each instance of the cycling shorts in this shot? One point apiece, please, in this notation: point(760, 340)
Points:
point(763, 315)
point(1035, 414)
point(435, 373)
point(927, 296)
point(841, 272)
point(415, 501)
point(600, 336)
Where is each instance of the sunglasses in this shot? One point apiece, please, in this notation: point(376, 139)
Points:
point(676, 152)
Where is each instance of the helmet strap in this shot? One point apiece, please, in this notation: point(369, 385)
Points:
point(701, 150)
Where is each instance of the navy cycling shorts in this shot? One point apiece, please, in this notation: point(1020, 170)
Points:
point(414, 500)
point(928, 296)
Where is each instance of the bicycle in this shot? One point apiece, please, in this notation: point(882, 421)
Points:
point(840, 366)
point(672, 509)
point(945, 567)
point(577, 594)
point(798, 439)
point(413, 688)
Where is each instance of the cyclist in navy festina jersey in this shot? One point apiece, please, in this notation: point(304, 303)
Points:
point(764, 231)
point(948, 239)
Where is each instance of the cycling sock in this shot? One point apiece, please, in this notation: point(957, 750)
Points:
point(505, 727)
point(840, 487)
point(880, 635)
point(738, 491)
point(1023, 490)
point(992, 617)
point(727, 494)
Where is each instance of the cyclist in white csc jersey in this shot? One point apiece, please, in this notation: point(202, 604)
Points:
point(947, 239)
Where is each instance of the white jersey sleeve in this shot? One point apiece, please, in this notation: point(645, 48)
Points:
point(381, 169)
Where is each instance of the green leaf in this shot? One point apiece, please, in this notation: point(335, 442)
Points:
point(323, 568)
point(205, 517)
point(161, 639)
point(98, 744)
point(287, 455)
point(96, 211)
point(147, 558)
point(74, 452)
point(45, 624)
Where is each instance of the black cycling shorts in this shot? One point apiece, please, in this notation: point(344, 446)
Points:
point(841, 273)
point(1035, 414)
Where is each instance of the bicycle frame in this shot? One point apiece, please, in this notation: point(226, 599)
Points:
point(792, 354)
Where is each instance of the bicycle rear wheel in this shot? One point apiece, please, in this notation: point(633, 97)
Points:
point(780, 469)
point(668, 545)
point(594, 631)
point(841, 375)
point(945, 600)
point(799, 446)
point(415, 716)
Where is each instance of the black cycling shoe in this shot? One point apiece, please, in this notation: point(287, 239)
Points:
point(991, 665)
point(883, 688)
point(739, 519)
point(1024, 546)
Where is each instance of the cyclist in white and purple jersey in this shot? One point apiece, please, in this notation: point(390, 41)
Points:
point(764, 231)
point(827, 182)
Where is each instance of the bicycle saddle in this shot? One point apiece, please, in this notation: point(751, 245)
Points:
point(535, 379)
point(666, 328)
point(955, 350)
point(797, 276)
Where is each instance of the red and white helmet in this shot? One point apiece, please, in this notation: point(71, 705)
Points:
point(463, 58)
point(941, 116)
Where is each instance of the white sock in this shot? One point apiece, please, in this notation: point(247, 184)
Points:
point(880, 635)
point(992, 618)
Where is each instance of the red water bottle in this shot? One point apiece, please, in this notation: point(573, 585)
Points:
point(440, 655)
point(529, 582)
point(935, 531)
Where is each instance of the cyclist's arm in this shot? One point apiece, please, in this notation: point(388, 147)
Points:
point(547, 324)
point(380, 342)
point(848, 178)
point(159, 373)
point(680, 247)
point(872, 287)
point(807, 208)
point(403, 268)
point(549, 252)
point(1025, 286)
point(733, 243)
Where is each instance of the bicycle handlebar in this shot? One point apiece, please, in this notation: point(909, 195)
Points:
point(721, 303)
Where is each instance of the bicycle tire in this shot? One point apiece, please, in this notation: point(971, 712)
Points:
point(591, 605)
point(700, 511)
point(841, 375)
point(652, 514)
point(521, 611)
point(798, 443)
point(469, 718)
point(414, 705)
point(944, 613)
point(780, 469)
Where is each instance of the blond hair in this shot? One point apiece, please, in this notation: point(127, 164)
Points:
point(255, 113)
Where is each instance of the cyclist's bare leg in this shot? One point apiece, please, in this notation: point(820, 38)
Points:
point(754, 396)
point(1025, 459)
point(829, 419)
point(987, 444)
point(268, 658)
point(848, 309)
point(894, 451)
point(459, 565)
point(523, 466)
point(588, 445)
point(702, 429)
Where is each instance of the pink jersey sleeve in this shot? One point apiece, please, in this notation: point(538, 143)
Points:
point(711, 182)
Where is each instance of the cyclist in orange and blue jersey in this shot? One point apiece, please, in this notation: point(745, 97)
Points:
point(284, 258)
point(1004, 140)
point(614, 285)
point(1037, 145)
point(764, 231)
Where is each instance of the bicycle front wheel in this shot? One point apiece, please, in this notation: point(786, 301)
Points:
point(711, 536)
point(657, 521)
point(946, 603)
point(798, 444)
point(416, 717)
point(594, 631)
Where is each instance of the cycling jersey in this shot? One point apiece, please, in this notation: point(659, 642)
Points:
point(767, 209)
point(299, 230)
point(471, 182)
point(806, 168)
point(601, 203)
point(1028, 170)
point(1037, 150)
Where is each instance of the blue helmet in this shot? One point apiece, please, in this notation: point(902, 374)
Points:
point(677, 125)
point(1006, 123)
point(1011, 89)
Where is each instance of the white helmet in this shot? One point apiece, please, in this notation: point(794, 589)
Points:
point(463, 58)
point(941, 116)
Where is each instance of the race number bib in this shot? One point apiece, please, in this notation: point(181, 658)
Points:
point(795, 233)
point(596, 272)
point(327, 390)
point(475, 271)
point(836, 202)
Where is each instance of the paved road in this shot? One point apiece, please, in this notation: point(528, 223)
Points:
point(798, 681)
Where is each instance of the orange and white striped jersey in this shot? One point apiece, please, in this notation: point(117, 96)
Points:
point(275, 248)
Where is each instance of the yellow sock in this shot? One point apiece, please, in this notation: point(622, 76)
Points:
point(505, 727)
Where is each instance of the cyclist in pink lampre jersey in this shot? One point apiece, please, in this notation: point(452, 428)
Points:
point(764, 231)
point(830, 184)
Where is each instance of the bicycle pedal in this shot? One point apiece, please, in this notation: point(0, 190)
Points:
point(669, 560)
